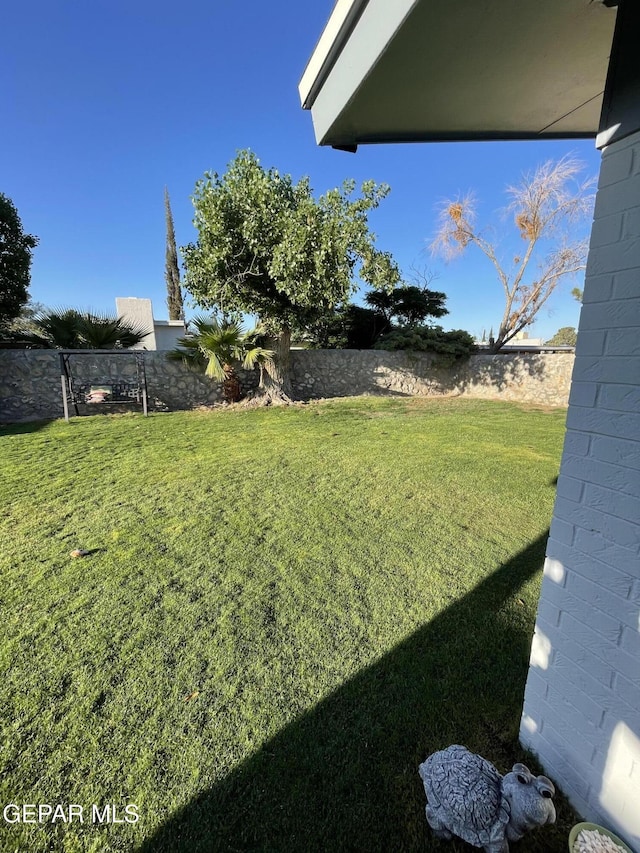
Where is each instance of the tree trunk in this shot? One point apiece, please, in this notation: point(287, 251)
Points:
point(496, 345)
point(231, 390)
point(275, 382)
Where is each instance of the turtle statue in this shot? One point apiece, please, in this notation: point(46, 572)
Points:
point(468, 798)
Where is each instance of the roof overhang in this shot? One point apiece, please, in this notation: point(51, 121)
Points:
point(425, 70)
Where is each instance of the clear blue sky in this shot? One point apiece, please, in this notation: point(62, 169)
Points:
point(105, 103)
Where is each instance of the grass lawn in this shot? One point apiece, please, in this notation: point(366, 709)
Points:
point(284, 611)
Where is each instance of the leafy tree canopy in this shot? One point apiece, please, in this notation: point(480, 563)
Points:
point(267, 247)
point(349, 327)
point(15, 261)
point(25, 319)
point(401, 307)
point(456, 344)
point(408, 305)
point(566, 336)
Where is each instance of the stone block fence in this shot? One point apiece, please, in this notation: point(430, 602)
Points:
point(30, 379)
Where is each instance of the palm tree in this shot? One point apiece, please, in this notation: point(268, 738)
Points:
point(68, 328)
point(218, 347)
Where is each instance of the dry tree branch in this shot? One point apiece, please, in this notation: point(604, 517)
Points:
point(543, 205)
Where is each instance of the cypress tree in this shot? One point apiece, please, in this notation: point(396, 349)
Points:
point(172, 271)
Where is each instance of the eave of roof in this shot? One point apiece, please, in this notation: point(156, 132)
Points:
point(417, 70)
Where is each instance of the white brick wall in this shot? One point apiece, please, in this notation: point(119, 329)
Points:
point(581, 712)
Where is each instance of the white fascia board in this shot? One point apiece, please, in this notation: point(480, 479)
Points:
point(329, 46)
point(363, 45)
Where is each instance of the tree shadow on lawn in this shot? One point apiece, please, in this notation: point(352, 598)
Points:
point(500, 371)
point(24, 427)
point(344, 776)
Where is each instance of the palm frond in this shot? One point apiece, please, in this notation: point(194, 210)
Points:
point(257, 356)
point(215, 368)
point(215, 347)
point(59, 326)
point(202, 324)
point(189, 353)
point(68, 328)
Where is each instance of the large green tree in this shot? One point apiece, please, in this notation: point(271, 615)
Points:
point(15, 261)
point(408, 305)
point(172, 270)
point(564, 337)
point(267, 247)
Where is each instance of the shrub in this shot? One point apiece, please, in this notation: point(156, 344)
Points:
point(454, 346)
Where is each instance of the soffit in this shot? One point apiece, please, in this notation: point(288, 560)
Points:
point(419, 70)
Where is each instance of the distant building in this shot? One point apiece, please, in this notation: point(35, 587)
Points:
point(137, 311)
point(522, 338)
point(522, 341)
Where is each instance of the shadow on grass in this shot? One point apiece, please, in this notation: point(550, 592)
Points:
point(344, 775)
point(24, 427)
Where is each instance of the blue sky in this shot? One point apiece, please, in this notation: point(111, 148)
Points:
point(105, 103)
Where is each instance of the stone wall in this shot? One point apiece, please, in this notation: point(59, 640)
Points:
point(542, 378)
point(30, 386)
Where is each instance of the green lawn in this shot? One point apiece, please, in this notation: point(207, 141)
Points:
point(284, 611)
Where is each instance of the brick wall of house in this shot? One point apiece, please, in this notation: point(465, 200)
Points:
point(582, 701)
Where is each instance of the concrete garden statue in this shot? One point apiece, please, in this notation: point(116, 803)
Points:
point(468, 798)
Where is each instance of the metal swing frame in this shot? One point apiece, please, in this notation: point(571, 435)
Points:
point(121, 391)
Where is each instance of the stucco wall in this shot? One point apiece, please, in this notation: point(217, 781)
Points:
point(168, 333)
point(582, 701)
point(30, 379)
point(138, 312)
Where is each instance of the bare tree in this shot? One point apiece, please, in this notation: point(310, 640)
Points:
point(544, 206)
